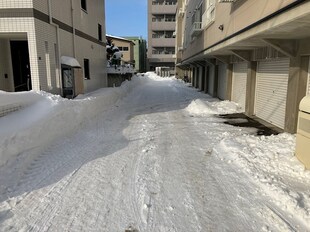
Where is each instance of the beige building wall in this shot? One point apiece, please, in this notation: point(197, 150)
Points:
point(128, 56)
point(233, 16)
point(246, 31)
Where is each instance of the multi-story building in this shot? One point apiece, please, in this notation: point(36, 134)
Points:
point(255, 53)
point(52, 46)
point(140, 50)
point(161, 31)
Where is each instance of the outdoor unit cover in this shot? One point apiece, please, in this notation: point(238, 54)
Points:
point(303, 132)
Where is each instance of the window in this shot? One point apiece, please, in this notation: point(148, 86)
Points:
point(84, 5)
point(125, 48)
point(86, 69)
point(99, 32)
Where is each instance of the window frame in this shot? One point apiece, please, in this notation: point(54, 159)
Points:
point(84, 5)
point(86, 69)
point(99, 32)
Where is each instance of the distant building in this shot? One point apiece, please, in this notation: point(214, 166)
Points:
point(52, 46)
point(125, 46)
point(140, 50)
point(161, 31)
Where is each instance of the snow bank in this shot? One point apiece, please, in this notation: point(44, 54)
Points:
point(270, 162)
point(41, 119)
point(203, 107)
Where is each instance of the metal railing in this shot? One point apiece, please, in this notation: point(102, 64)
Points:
point(196, 28)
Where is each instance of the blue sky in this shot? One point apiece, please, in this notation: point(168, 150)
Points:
point(126, 17)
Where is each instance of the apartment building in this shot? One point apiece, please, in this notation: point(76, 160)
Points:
point(56, 46)
point(161, 33)
point(255, 53)
point(140, 50)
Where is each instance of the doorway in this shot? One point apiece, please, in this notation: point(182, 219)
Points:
point(67, 82)
point(21, 65)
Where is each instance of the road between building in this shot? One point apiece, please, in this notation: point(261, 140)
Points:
point(152, 163)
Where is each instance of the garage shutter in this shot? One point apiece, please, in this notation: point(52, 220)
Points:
point(271, 91)
point(222, 81)
point(211, 80)
point(239, 84)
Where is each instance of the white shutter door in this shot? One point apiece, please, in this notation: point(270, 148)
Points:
point(211, 80)
point(239, 84)
point(222, 82)
point(271, 91)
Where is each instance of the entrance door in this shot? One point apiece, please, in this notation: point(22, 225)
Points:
point(21, 65)
point(67, 82)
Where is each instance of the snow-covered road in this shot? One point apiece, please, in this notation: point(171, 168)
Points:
point(158, 160)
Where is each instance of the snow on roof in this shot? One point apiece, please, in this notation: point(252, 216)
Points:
point(119, 38)
point(70, 61)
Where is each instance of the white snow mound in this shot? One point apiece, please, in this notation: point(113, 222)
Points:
point(201, 107)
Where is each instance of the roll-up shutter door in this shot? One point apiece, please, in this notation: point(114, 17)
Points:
point(271, 91)
point(211, 80)
point(239, 84)
point(222, 80)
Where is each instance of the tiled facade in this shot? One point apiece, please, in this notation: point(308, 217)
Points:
point(65, 30)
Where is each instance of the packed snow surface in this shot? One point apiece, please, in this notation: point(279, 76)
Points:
point(152, 155)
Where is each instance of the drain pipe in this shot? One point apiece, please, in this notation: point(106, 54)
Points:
point(58, 42)
point(73, 28)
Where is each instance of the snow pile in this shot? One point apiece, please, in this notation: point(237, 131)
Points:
point(271, 163)
point(45, 117)
point(204, 107)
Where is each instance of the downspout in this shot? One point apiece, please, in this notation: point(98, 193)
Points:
point(73, 28)
point(58, 41)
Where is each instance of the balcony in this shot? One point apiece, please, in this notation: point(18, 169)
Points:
point(163, 42)
point(196, 29)
point(163, 26)
point(163, 9)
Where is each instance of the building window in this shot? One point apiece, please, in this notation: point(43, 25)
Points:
point(99, 32)
point(84, 5)
point(86, 69)
point(125, 48)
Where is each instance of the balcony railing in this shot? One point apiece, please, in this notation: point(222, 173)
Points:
point(196, 29)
